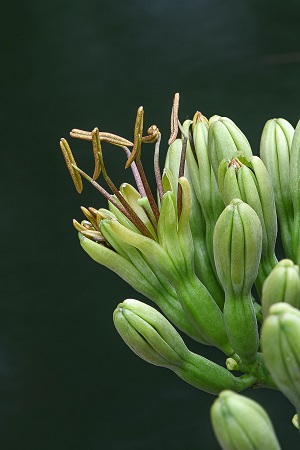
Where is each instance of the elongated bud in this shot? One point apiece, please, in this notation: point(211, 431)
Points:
point(237, 247)
point(275, 149)
point(281, 347)
point(226, 141)
point(294, 189)
point(251, 183)
point(282, 285)
point(154, 339)
point(149, 334)
point(241, 423)
point(237, 250)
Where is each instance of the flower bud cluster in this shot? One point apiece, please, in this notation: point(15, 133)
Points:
point(204, 252)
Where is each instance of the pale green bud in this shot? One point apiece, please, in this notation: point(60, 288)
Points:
point(226, 141)
point(294, 189)
point(149, 334)
point(155, 340)
point(251, 183)
point(237, 249)
point(281, 347)
point(275, 149)
point(282, 285)
point(240, 423)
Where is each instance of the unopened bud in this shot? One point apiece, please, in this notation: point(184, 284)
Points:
point(282, 285)
point(241, 423)
point(281, 347)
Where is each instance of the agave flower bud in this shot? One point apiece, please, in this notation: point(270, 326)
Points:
point(282, 285)
point(154, 339)
point(281, 347)
point(149, 334)
point(201, 229)
point(294, 189)
point(275, 149)
point(203, 179)
point(237, 249)
point(226, 141)
point(241, 423)
point(251, 183)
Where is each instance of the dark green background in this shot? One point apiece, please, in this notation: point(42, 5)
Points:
point(66, 379)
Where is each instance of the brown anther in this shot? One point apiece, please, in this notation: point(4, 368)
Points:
point(71, 164)
point(97, 153)
point(138, 132)
point(235, 163)
point(106, 137)
point(174, 119)
point(153, 133)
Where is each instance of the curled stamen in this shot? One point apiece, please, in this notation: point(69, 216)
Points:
point(106, 137)
point(70, 161)
point(157, 171)
point(174, 119)
point(153, 135)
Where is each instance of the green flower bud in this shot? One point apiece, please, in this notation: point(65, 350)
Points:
point(237, 249)
point(275, 149)
point(201, 230)
point(225, 141)
point(281, 347)
point(127, 262)
point(251, 183)
point(282, 285)
point(204, 181)
point(294, 189)
point(149, 334)
point(240, 423)
point(154, 339)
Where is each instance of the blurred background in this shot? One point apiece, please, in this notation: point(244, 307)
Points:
point(67, 381)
